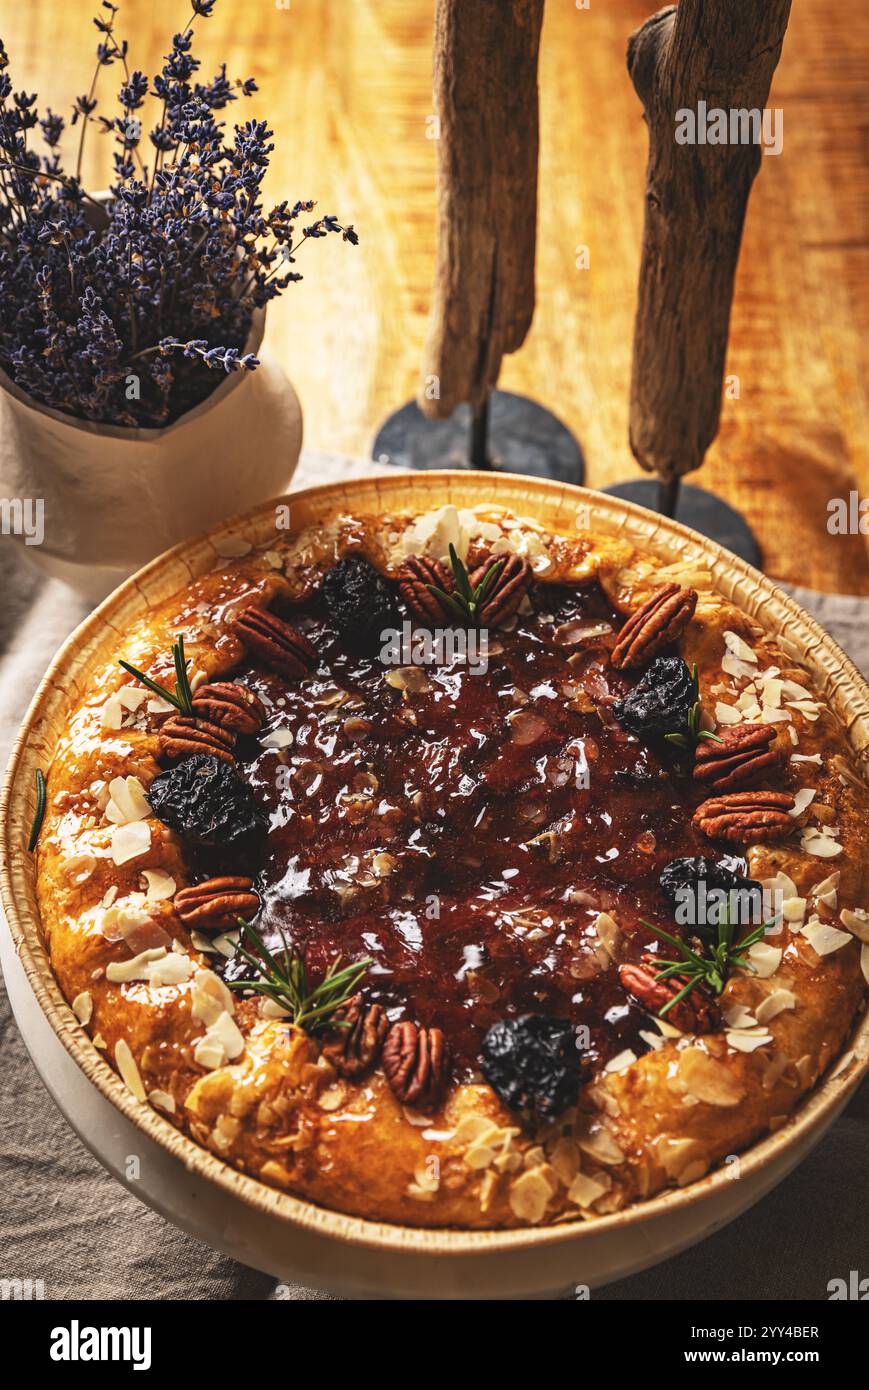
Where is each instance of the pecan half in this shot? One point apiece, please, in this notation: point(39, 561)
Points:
point(230, 705)
point(742, 758)
point(356, 1048)
point(416, 572)
point(746, 816)
point(655, 625)
point(217, 903)
point(696, 1013)
point(181, 737)
point(506, 590)
point(276, 643)
point(415, 1062)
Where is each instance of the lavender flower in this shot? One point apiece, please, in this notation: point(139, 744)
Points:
point(126, 313)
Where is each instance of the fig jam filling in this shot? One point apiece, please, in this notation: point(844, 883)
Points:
point(467, 830)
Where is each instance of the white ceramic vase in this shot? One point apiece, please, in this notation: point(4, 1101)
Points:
point(113, 498)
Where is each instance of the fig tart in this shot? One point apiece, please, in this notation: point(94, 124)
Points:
point(447, 871)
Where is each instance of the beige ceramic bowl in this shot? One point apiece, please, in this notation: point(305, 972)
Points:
point(283, 1234)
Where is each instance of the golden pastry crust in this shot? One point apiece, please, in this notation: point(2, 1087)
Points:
point(262, 1096)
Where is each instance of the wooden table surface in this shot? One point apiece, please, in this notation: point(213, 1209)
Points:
point(347, 88)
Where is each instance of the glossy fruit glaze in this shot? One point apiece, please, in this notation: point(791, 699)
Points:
point(401, 826)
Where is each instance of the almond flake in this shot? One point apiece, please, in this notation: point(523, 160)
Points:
point(707, 1079)
point(565, 1160)
point(174, 969)
point(771, 692)
point(621, 1061)
point(584, 1191)
point(126, 1064)
point(864, 962)
point(732, 666)
point(794, 909)
point(529, 1196)
point(738, 647)
point(210, 997)
point(132, 696)
point(113, 713)
point(802, 799)
point(824, 939)
point(222, 1043)
point(130, 841)
point(856, 921)
point(598, 1143)
point(780, 883)
point(748, 1040)
point(610, 935)
point(827, 891)
point(820, 843)
point(278, 738)
point(738, 1016)
point(409, 678)
point(471, 1127)
point(726, 714)
point(123, 971)
point(765, 959)
point(774, 1004)
point(83, 1008)
point(162, 1101)
point(160, 885)
point(127, 801)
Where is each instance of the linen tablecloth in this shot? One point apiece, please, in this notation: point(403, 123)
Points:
point(65, 1221)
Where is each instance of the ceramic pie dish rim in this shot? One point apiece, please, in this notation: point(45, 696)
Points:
point(829, 1094)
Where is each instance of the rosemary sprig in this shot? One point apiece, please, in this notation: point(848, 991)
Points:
point(284, 980)
point(39, 814)
point(182, 696)
point(688, 741)
point(467, 598)
point(712, 969)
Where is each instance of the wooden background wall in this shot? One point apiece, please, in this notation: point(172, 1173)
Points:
point(347, 87)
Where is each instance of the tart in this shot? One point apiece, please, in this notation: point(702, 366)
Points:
point(447, 870)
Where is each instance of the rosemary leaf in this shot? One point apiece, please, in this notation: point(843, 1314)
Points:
point(182, 696)
point(39, 814)
point(283, 978)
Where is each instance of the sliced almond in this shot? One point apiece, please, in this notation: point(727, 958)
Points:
point(126, 1064)
point(83, 1007)
point(708, 1080)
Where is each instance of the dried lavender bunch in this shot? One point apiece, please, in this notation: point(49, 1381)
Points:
point(115, 313)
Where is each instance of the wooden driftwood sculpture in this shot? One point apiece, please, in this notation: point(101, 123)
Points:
point(723, 53)
point(485, 80)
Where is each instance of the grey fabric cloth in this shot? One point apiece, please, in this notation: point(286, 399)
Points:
point(66, 1222)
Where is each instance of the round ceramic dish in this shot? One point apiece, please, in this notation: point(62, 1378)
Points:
point(293, 1238)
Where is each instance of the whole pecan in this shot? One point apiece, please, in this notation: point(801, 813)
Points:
point(506, 590)
point(746, 816)
point(696, 1013)
point(415, 1061)
point(232, 706)
point(276, 643)
point(181, 737)
point(217, 903)
point(655, 625)
point(356, 1047)
point(416, 572)
point(742, 758)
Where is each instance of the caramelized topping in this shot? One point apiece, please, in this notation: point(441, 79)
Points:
point(483, 829)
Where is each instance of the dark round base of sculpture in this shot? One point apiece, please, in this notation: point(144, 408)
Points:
point(520, 437)
point(700, 510)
